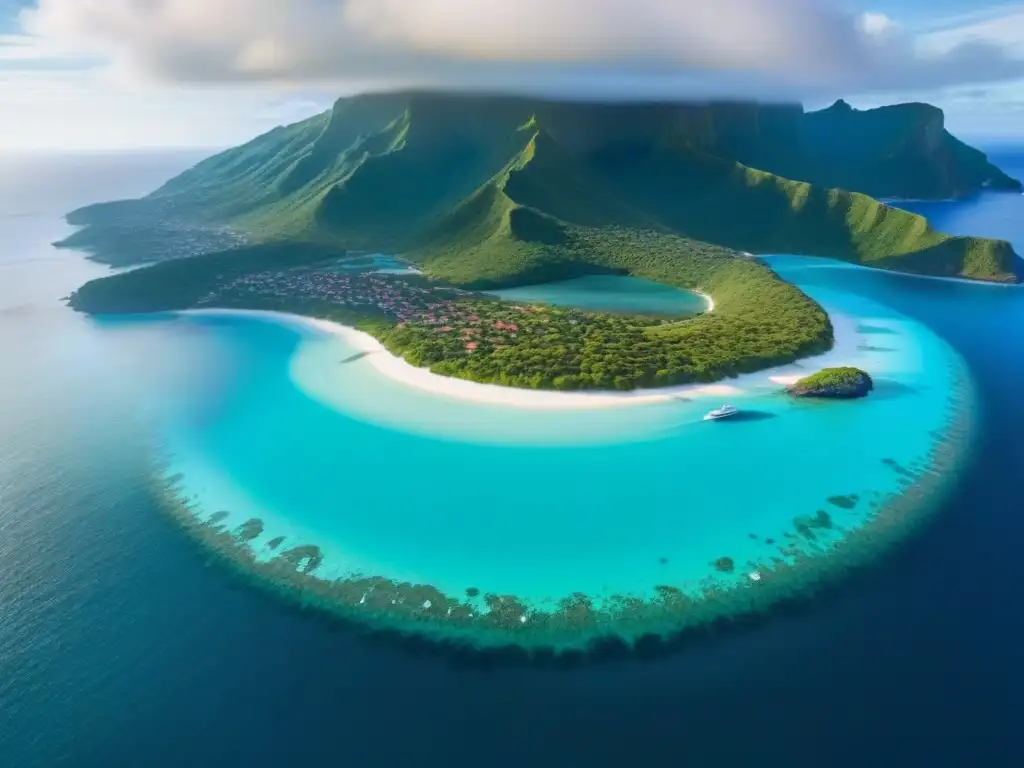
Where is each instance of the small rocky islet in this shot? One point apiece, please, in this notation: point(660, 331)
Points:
point(841, 383)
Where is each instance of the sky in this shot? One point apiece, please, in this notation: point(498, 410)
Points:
point(130, 74)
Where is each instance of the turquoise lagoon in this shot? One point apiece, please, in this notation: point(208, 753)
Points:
point(610, 293)
point(296, 459)
point(375, 262)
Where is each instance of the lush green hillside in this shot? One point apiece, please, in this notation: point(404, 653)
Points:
point(181, 283)
point(759, 320)
point(429, 174)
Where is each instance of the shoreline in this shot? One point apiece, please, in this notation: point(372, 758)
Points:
point(836, 263)
point(963, 280)
point(844, 352)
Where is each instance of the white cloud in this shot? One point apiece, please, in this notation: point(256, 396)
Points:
point(1005, 29)
point(117, 73)
point(877, 25)
point(29, 49)
point(19, 48)
point(767, 48)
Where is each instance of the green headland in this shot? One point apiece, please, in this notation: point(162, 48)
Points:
point(485, 192)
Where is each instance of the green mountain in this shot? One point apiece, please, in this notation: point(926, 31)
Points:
point(900, 151)
point(484, 188)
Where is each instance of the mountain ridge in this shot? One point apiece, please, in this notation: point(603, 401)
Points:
point(389, 171)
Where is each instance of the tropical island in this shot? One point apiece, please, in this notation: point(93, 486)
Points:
point(476, 194)
point(484, 192)
point(843, 383)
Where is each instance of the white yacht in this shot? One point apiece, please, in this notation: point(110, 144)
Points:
point(722, 413)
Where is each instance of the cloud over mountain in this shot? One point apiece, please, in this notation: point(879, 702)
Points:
point(621, 48)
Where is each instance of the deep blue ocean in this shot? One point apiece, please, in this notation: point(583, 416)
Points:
point(123, 643)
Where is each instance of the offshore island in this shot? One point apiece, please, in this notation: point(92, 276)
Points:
point(473, 195)
point(846, 382)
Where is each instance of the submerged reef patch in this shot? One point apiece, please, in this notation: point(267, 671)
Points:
point(725, 565)
point(821, 547)
point(249, 530)
point(845, 502)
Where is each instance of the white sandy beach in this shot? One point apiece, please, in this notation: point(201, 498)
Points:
point(844, 352)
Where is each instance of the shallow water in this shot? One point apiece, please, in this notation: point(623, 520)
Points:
point(378, 262)
point(545, 504)
point(610, 293)
point(123, 644)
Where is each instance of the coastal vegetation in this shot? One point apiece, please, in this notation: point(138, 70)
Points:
point(846, 382)
point(759, 320)
point(182, 283)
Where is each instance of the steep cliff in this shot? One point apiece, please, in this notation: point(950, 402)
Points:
point(897, 151)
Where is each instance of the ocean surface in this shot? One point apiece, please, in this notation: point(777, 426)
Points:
point(122, 642)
